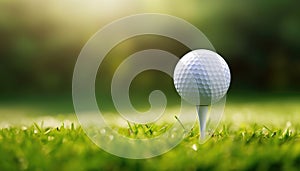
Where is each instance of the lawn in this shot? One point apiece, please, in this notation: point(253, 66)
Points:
point(255, 134)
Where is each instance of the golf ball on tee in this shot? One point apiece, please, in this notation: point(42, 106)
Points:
point(201, 77)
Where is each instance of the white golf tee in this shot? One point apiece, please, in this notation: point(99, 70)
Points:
point(202, 116)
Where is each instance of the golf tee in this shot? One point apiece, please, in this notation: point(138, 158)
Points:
point(202, 116)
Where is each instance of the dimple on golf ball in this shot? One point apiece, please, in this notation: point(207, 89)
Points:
point(201, 77)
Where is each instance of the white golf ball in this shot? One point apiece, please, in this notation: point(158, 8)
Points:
point(201, 77)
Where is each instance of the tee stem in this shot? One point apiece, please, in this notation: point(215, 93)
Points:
point(202, 116)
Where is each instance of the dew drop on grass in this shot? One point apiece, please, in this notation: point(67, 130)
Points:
point(102, 131)
point(194, 147)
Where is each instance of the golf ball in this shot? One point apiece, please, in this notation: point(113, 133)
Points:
point(201, 77)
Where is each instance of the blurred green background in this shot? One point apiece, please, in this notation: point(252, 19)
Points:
point(40, 42)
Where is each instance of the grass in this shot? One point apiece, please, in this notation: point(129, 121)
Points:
point(251, 147)
point(253, 135)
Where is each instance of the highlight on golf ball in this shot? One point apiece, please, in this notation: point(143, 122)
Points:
point(202, 77)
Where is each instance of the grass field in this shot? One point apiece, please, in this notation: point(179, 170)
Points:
point(261, 134)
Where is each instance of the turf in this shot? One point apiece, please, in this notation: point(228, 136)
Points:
point(251, 147)
point(253, 135)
